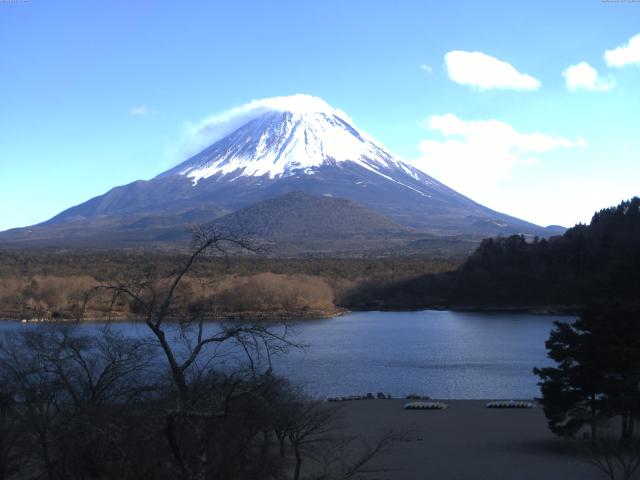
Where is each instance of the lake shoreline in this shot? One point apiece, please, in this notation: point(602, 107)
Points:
point(230, 317)
point(268, 316)
point(562, 310)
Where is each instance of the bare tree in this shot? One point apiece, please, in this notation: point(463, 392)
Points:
point(67, 394)
point(10, 434)
point(316, 437)
point(98, 406)
point(157, 299)
point(348, 457)
point(310, 423)
point(615, 459)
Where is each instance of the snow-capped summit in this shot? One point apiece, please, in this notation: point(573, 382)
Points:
point(295, 157)
point(287, 136)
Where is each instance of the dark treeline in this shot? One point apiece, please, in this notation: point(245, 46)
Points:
point(105, 264)
point(587, 263)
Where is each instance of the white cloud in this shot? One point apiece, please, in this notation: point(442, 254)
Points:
point(479, 70)
point(584, 77)
point(561, 201)
point(140, 110)
point(475, 156)
point(426, 68)
point(628, 54)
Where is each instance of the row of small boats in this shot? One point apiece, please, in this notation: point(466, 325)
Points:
point(419, 405)
point(423, 402)
point(368, 396)
point(426, 406)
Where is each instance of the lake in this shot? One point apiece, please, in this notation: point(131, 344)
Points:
point(444, 354)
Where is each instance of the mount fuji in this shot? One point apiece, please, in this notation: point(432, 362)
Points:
point(283, 145)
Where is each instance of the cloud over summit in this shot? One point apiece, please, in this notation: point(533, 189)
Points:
point(220, 124)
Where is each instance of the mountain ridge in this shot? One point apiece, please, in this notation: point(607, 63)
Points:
point(311, 148)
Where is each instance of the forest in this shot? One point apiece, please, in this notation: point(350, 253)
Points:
point(588, 264)
point(53, 284)
point(562, 273)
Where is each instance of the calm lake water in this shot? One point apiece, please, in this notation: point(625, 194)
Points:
point(443, 354)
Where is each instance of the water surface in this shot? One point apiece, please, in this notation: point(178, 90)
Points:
point(444, 354)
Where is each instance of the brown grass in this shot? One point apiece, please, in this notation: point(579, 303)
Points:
point(270, 292)
point(53, 284)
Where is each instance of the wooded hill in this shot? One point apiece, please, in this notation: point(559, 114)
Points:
point(587, 264)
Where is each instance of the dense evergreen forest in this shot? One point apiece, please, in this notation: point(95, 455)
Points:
point(587, 264)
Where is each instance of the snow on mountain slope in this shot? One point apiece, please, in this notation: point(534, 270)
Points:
point(295, 135)
point(269, 149)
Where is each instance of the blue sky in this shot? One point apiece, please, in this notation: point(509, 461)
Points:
point(95, 94)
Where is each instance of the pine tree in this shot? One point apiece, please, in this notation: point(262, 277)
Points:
point(597, 376)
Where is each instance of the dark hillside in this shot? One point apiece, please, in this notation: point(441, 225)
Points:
point(586, 264)
point(299, 215)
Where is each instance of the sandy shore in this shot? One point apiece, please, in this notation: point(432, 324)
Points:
point(467, 441)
